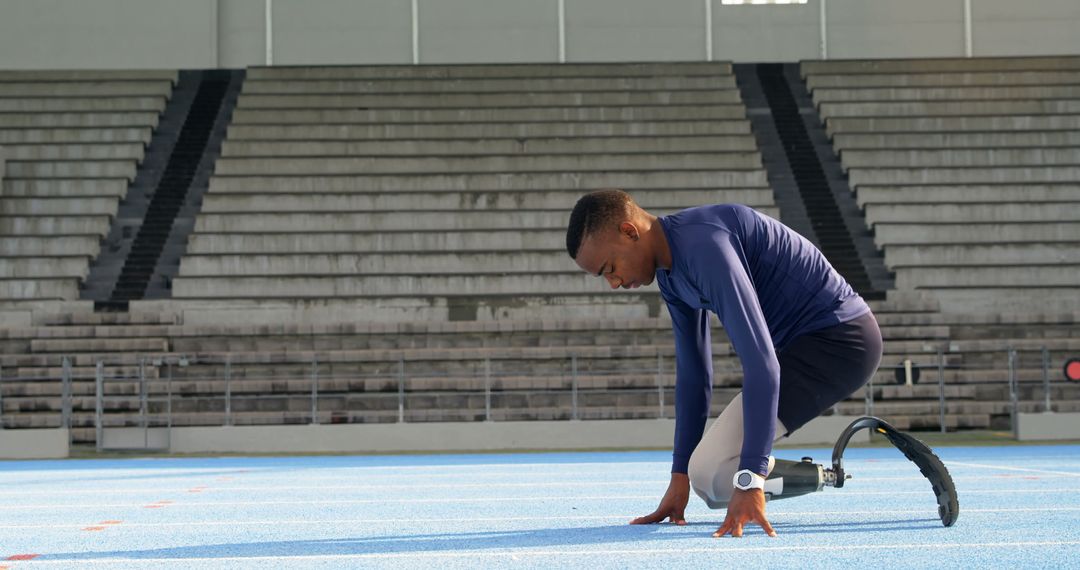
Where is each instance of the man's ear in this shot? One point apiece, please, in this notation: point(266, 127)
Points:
point(629, 230)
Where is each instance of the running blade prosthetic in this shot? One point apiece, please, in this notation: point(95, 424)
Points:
point(916, 451)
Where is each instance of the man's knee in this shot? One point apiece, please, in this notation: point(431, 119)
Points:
point(704, 473)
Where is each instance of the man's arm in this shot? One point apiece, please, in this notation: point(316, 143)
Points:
point(693, 379)
point(721, 275)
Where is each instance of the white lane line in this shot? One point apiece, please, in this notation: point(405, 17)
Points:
point(585, 552)
point(1024, 469)
point(838, 494)
point(778, 515)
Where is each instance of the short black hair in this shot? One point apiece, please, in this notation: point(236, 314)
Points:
point(593, 211)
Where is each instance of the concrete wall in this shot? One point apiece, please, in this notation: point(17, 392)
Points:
point(1031, 427)
point(463, 436)
point(56, 34)
point(34, 443)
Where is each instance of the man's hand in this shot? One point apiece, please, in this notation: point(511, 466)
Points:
point(745, 507)
point(673, 505)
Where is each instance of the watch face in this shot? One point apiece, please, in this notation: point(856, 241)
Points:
point(745, 479)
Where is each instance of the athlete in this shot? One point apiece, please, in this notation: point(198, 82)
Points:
point(805, 338)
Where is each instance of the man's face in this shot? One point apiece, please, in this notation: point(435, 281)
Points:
point(618, 257)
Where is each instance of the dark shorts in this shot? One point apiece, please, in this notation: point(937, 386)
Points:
point(822, 367)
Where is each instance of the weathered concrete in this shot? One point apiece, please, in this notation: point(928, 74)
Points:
point(122, 151)
point(485, 71)
point(76, 136)
point(1004, 175)
point(283, 87)
point(988, 78)
point(496, 146)
point(57, 225)
point(951, 124)
point(77, 120)
point(973, 193)
point(97, 75)
point(515, 130)
point(39, 206)
point(1047, 426)
point(294, 166)
point(997, 275)
point(85, 88)
point(962, 232)
point(942, 65)
point(496, 115)
point(465, 201)
point(982, 254)
point(389, 221)
point(46, 188)
point(47, 267)
point(37, 246)
point(1004, 139)
point(346, 242)
point(972, 213)
point(81, 104)
point(586, 181)
point(39, 289)
point(932, 108)
point(34, 443)
point(997, 300)
point(945, 93)
point(482, 99)
point(997, 157)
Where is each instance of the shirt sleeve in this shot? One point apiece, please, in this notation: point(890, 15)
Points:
point(693, 379)
point(721, 273)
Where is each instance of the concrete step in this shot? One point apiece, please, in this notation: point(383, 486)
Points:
point(44, 267)
point(505, 146)
point(940, 65)
point(959, 108)
point(48, 246)
point(72, 169)
point(977, 93)
point(956, 157)
point(38, 104)
point(957, 79)
point(39, 206)
point(996, 275)
point(963, 175)
point(489, 99)
point(122, 151)
point(66, 187)
point(484, 131)
point(21, 289)
point(984, 193)
point(975, 213)
point(390, 221)
point(982, 255)
point(486, 71)
point(76, 135)
point(109, 319)
point(1011, 299)
point(496, 115)
point(1001, 139)
point(522, 85)
point(89, 75)
point(966, 123)
point(54, 225)
point(86, 88)
point(77, 120)
point(462, 201)
point(69, 345)
point(294, 166)
point(919, 233)
point(585, 181)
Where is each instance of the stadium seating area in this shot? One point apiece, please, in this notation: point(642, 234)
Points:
point(73, 141)
point(394, 236)
point(968, 171)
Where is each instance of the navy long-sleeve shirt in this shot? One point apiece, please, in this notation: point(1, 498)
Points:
point(768, 285)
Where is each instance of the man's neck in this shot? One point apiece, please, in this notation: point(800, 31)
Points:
point(658, 243)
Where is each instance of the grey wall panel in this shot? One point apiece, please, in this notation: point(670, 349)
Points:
point(118, 34)
point(895, 29)
point(767, 33)
point(241, 33)
point(330, 32)
point(635, 30)
point(480, 31)
point(1032, 27)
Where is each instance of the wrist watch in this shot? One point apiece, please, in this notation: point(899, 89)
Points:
point(746, 479)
